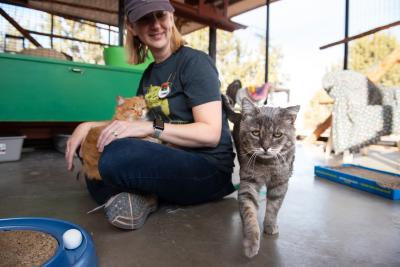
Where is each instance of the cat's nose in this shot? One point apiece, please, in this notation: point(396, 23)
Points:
point(270, 151)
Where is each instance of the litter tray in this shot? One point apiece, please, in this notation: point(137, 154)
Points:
point(378, 182)
point(84, 255)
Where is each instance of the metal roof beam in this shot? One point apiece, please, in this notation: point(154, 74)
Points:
point(206, 14)
point(24, 32)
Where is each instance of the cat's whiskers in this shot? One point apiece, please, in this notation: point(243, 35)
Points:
point(251, 163)
point(251, 159)
point(281, 157)
point(254, 163)
point(251, 151)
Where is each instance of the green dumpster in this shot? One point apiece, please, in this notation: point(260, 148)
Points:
point(38, 89)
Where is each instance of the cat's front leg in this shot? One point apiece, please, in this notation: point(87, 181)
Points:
point(248, 207)
point(275, 196)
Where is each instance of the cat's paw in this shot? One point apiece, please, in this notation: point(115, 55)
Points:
point(251, 247)
point(271, 229)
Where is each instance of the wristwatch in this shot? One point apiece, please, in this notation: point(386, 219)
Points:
point(158, 126)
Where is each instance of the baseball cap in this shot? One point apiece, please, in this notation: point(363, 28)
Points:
point(135, 9)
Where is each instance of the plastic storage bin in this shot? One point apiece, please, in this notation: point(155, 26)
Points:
point(116, 56)
point(10, 148)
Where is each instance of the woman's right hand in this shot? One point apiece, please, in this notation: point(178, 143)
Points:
point(75, 141)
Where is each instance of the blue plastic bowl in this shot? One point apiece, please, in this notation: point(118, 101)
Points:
point(84, 255)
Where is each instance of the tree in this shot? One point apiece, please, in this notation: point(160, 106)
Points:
point(369, 51)
point(236, 60)
point(29, 20)
point(41, 22)
point(198, 39)
point(80, 51)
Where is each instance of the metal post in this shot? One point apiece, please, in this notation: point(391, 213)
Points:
point(51, 31)
point(346, 35)
point(212, 43)
point(267, 43)
point(109, 34)
point(121, 22)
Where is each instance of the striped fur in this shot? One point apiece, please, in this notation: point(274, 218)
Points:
point(265, 144)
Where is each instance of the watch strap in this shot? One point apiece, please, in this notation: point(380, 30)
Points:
point(158, 126)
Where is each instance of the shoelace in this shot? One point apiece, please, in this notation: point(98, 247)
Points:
point(102, 206)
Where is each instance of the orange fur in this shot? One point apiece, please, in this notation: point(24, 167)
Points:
point(129, 109)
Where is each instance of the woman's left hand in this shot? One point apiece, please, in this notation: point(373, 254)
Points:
point(120, 129)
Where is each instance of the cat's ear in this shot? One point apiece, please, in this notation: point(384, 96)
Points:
point(248, 108)
point(120, 100)
point(291, 113)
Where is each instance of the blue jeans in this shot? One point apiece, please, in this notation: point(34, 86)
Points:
point(174, 175)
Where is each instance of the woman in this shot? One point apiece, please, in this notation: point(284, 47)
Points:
point(182, 91)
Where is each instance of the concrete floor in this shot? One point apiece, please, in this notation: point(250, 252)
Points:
point(321, 223)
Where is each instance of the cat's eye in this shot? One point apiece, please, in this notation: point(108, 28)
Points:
point(255, 133)
point(277, 134)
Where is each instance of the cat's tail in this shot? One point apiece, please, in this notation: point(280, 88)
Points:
point(230, 112)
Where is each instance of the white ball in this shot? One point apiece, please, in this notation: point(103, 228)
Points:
point(72, 238)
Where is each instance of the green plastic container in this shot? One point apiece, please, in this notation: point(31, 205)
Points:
point(116, 56)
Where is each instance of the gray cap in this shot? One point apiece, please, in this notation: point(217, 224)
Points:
point(135, 9)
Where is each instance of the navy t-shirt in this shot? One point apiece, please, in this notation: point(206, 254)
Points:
point(193, 80)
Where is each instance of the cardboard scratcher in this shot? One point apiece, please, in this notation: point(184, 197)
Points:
point(378, 182)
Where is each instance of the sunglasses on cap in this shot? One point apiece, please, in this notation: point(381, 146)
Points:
point(151, 17)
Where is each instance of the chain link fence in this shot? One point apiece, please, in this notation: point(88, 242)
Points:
point(33, 32)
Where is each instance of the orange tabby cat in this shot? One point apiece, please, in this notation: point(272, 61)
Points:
point(129, 109)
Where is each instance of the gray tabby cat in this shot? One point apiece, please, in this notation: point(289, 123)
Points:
point(265, 143)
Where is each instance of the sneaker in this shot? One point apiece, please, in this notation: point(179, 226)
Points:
point(129, 211)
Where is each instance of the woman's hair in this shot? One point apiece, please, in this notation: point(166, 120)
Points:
point(138, 51)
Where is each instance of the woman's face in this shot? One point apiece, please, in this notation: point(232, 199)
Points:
point(155, 30)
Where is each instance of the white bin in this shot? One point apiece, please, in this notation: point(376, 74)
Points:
point(10, 148)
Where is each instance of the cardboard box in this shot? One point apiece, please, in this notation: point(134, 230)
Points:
point(10, 148)
point(370, 184)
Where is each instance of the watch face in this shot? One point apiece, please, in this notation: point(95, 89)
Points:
point(159, 124)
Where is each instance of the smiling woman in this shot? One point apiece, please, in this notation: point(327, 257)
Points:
point(142, 31)
point(182, 93)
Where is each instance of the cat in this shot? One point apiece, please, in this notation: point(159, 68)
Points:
point(265, 139)
point(129, 109)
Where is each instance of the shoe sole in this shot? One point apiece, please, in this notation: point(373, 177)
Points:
point(128, 211)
